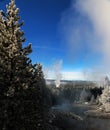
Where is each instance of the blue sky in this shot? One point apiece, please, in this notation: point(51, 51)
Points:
point(42, 19)
point(58, 31)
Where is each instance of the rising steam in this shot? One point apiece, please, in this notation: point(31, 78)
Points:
point(54, 72)
point(87, 24)
point(58, 75)
point(98, 12)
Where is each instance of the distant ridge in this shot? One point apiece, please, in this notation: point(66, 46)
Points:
point(70, 81)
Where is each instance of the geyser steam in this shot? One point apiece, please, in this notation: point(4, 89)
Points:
point(58, 76)
point(98, 12)
point(86, 28)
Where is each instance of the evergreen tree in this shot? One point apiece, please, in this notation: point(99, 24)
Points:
point(105, 96)
point(22, 85)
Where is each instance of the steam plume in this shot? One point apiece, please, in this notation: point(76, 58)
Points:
point(87, 24)
point(58, 74)
point(98, 12)
point(54, 72)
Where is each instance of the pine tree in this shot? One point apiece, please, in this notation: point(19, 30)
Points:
point(13, 56)
point(105, 96)
point(22, 104)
